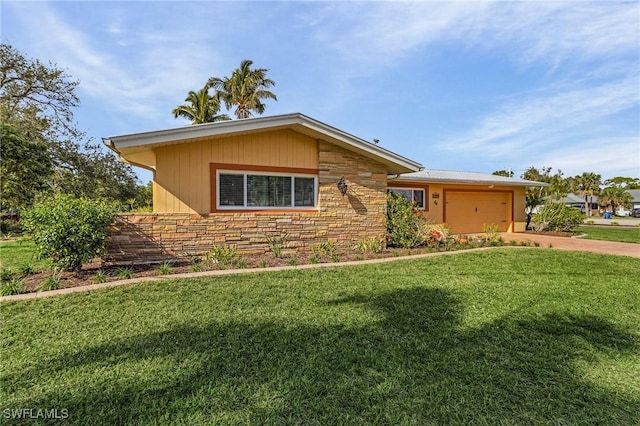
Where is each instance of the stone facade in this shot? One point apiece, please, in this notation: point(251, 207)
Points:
point(360, 214)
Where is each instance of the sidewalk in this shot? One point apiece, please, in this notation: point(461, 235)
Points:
point(577, 244)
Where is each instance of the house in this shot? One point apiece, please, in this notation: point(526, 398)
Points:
point(578, 202)
point(240, 182)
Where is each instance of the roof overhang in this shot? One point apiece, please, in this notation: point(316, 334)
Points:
point(132, 145)
point(469, 178)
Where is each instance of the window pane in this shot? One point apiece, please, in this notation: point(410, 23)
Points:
point(418, 197)
point(406, 193)
point(231, 190)
point(268, 191)
point(304, 191)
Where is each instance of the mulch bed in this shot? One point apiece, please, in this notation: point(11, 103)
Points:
point(87, 275)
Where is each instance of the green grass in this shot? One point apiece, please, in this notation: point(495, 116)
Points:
point(509, 336)
point(630, 235)
point(15, 254)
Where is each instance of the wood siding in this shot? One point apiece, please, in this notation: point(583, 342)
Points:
point(182, 182)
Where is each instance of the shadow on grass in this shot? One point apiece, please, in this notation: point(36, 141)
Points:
point(415, 365)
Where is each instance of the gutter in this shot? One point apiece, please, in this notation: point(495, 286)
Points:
point(112, 146)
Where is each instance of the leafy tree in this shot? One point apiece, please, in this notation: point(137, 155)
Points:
point(201, 107)
point(245, 89)
point(43, 150)
point(587, 184)
point(31, 92)
point(623, 182)
point(95, 174)
point(505, 173)
point(614, 197)
point(70, 231)
point(25, 169)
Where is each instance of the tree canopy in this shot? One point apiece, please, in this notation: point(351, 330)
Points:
point(245, 89)
point(42, 150)
point(201, 107)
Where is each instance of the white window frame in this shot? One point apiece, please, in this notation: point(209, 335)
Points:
point(403, 188)
point(245, 173)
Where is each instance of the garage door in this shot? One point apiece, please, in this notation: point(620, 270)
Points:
point(468, 212)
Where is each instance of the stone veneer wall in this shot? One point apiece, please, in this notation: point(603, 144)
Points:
point(138, 238)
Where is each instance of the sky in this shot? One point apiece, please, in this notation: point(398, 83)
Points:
point(467, 86)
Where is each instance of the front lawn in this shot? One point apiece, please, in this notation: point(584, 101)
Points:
point(625, 235)
point(16, 254)
point(508, 336)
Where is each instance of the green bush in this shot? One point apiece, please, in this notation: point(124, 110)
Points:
point(69, 231)
point(555, 216)
point(404, 222)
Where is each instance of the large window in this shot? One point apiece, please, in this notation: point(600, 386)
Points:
point(415, 195)
point(249, 190)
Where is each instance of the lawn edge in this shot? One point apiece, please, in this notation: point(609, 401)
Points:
point(224, 272)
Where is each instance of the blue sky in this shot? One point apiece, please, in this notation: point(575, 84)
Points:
point(470, 86)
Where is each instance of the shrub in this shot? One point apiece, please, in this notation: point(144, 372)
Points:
point(492, 231)
point(277, 243)
point(325, 247)
point(100, 277)
point(27, 269)
point(15, 286)
point(404, 222)
point(556, 216)
point(6, 274)
point(52, 282)
point(434, 234)
point(124, 273)
point(222, 255)
point(370, 245)
point(69, 231)
point(164, 268)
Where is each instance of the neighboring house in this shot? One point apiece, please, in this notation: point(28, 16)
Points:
point(239, 182)
point(577, 201)
point(634, 204)
point(635, 198)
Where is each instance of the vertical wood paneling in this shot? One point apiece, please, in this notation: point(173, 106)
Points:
point(182, 181)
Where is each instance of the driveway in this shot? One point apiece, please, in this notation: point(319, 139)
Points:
point(576, 244)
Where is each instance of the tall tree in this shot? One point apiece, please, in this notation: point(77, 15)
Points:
point(201, 107)
point(42, 150)
point(623, 182)
point(587, 184)
point(245, 89)
point(25, 169)
point(614, 196)
point(32, 93)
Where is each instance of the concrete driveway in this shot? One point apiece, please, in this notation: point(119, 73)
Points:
point(577, 244)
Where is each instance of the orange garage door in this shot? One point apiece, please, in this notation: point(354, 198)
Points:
point(468, 212)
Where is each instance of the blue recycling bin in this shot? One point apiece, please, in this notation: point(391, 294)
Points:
point(607, 215)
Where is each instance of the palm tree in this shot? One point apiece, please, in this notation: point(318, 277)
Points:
point(587, 184)
point(202, 107)
point(246, 89)
point(613, 196)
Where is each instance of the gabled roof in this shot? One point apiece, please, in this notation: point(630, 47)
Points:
point(129, 145)
point(635, 195)
point(472, 178)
